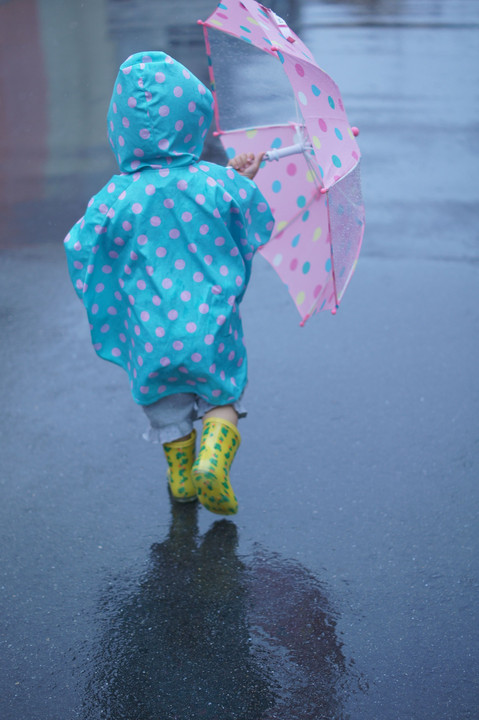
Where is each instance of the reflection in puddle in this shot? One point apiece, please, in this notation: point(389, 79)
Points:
point(207, 634)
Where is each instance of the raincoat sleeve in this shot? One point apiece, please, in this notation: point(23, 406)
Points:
point(254, 206)
point(251, 219)
point(81, 243)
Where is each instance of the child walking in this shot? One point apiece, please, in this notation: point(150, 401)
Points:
point(161, 260)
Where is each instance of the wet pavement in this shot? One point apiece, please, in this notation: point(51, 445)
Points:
point(346, 587)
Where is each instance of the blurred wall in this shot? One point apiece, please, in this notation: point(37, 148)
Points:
point(23, 116)
point(80, 66)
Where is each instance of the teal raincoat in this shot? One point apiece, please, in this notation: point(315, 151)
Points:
point(162, 257)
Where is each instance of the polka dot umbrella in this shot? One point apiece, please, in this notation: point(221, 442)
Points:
point(312, 179)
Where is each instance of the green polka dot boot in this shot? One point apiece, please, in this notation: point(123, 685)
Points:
point(180, 456)
point(211, 471)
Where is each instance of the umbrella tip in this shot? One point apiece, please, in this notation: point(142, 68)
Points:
point(323, 191)
point(334, 310)
point(355, 131)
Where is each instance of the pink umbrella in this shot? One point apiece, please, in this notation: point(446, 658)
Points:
point(314, 187)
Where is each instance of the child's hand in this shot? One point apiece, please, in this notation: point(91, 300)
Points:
point(247, 164)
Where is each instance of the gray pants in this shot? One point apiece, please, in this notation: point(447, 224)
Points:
point(173, 416)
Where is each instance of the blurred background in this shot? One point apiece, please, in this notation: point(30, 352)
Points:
point(59, 61)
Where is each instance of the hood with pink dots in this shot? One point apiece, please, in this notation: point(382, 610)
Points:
point(159, 113)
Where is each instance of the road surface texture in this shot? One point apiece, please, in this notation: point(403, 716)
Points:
point(347, 585)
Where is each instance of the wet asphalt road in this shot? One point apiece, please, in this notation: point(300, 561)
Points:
point(346, 587)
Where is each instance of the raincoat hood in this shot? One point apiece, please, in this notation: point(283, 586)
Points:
point(159, 113)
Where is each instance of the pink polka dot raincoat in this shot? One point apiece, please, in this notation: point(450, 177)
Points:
point(162, 257)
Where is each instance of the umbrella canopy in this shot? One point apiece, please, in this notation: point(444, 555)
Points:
point(314, 187)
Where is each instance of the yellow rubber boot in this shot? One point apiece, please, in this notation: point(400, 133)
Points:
point(180, 456)
point(211, 471)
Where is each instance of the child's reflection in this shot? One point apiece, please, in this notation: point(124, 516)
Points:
point(208, 636)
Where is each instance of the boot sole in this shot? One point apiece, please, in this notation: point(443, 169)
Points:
point(183, 500)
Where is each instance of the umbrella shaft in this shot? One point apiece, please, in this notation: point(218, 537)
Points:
point(277, 153)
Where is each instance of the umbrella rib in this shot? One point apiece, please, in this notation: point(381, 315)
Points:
point(315, 304)
point(256, 127)
point(319, 184)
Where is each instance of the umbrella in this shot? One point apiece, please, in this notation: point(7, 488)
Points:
point(312, 181)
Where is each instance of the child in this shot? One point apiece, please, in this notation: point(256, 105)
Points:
point(161, 260)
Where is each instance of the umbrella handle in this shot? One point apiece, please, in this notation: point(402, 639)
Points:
point(277, 153)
